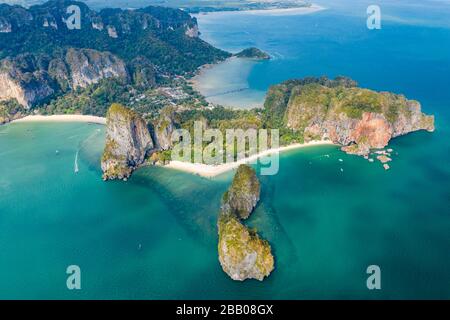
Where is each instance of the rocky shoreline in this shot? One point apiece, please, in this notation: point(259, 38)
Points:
point(358, 119)
point(130, 140)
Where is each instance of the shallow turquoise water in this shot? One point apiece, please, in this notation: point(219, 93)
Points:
point(155, 236)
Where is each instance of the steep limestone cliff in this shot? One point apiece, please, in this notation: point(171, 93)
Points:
point(242, 253)
point(337, 110)
point(31, 79)
point(167, 37)
point(192, 31)
point(128, 142)
point(150, 43)
point(164, 126)
point(243, 195)
point(89, 66)
point(22, 79)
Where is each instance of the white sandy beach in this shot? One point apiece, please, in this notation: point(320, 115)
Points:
point(273, 12)
point(286, 12)
point(62, 118)
point(209, 171)
point(203, 170)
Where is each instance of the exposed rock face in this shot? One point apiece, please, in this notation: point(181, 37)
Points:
point(31, 79)
point(244, 193)
point(90, 66)
point(242, 253)
point(161, 34)
point(22, 79)
point(358, 119)
point(192, 32)
point(164, 40)
point(58, 70)
point(112, 32)
point(97, 23)
point(5, 25)
point(128, 142)
point(164, 127)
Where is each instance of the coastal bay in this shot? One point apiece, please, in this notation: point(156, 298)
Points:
point(327, 215)
point(226, 84)
point(317, 231)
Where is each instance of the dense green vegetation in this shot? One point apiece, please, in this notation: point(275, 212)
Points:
point(296, 105)
point(356, 102)
point(96, 98)
point(93, 100)
point(222, 118)
point(243, 194)
point(156, 33)
point(149, 48)
point(9, 110)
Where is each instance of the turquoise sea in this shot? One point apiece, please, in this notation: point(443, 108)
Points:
point(154, 237)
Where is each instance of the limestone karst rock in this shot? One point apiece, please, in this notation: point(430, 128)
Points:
point(355, 118)
point(128, 142)
point(242, 253)
point(243, 194)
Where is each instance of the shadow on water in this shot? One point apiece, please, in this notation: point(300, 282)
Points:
point(265, 220)
point(195, 204)
point(193, 201)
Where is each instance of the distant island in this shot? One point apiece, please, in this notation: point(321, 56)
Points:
point(253, 53)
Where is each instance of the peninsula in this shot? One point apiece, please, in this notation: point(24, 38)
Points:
point(306, 112)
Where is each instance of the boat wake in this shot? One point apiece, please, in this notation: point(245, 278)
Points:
point(76, 162)
point(81, 146)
